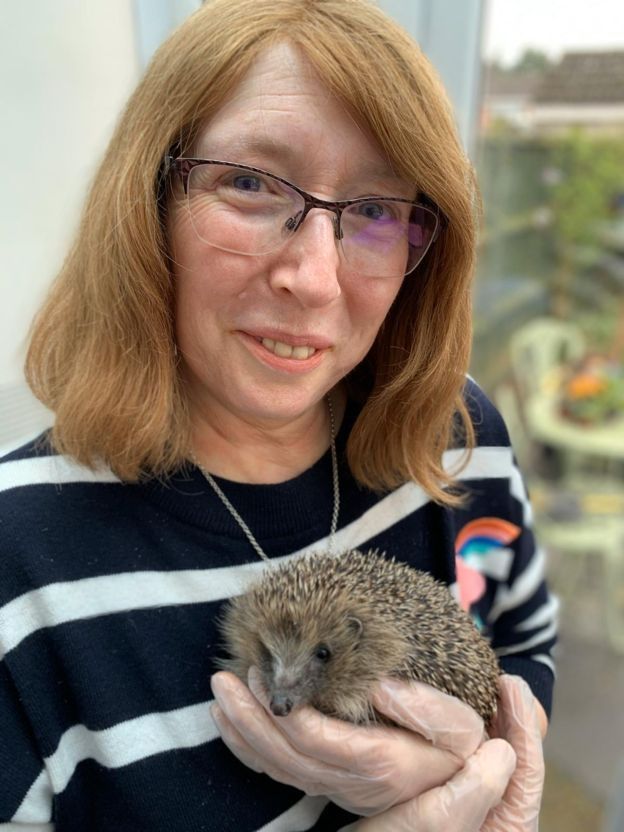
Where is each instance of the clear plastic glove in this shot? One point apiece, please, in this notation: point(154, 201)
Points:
point(364, 769)
point(517, 722)
point(460, 805)
point(498, 790)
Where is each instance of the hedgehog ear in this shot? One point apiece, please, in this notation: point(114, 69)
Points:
point(355, 624)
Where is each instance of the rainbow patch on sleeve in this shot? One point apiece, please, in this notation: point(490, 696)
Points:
point(482, 548)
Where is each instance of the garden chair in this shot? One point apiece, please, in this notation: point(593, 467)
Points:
point(578, 518)
point(540, 347)
point(539, 352)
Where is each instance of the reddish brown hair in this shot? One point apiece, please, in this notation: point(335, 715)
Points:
point(102, 352)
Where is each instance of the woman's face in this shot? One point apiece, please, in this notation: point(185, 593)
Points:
point(264, 338)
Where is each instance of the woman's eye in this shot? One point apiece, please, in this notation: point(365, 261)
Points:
point(374, 211)
point(247, 182)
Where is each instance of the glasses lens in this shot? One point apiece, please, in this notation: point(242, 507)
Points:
point(240, 210)
point(385, 237)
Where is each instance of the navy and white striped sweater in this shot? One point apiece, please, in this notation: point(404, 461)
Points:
point(108, 597)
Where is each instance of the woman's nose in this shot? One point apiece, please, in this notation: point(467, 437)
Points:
point(308, 265)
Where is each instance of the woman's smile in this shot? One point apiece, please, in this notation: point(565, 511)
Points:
point(284, 355)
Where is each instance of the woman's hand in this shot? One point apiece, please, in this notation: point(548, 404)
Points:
point(521, 721)
point(498, 790)
point(365, 770)
point(460, 805)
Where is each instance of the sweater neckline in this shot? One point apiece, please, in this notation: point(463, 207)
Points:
point(302, 503)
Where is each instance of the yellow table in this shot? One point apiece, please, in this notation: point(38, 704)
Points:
point(545, 424)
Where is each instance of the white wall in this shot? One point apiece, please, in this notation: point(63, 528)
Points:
point(66, 67)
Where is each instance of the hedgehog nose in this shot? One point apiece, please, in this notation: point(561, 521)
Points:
point(281, 704)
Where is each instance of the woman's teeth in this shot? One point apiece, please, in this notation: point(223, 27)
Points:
point(286, 351)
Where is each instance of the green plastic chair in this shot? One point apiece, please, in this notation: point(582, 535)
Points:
point(568, 524)
point(541, 346)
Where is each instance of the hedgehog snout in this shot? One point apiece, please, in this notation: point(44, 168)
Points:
point(285, 689)
point(281, 704)
point(290, 684)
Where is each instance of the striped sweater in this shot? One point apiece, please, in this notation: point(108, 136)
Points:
point(108, 598)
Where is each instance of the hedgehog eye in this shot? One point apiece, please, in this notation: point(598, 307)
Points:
point(322, 653)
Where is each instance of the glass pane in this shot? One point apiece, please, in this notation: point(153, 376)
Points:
point(549, 349)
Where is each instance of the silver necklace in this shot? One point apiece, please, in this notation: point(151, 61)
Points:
point(335, 481)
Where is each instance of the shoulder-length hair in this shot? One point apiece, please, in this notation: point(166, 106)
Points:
point(102, 353)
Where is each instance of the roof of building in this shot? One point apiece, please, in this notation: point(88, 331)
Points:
point(584, 78)
point(501, 83)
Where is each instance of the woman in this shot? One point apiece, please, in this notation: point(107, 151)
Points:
point(274, 263)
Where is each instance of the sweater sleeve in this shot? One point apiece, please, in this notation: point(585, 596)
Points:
point(25, 788)
point(497, 541)
point(523, 616)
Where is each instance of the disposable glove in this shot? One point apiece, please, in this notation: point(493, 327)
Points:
point(516, 721)
point(363, 769)
point(461, 805)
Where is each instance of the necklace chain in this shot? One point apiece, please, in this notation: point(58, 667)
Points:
point(335, 483)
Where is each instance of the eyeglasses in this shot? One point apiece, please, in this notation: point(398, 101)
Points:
point(246, 210)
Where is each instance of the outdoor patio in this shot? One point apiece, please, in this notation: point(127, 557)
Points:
point(585, 744)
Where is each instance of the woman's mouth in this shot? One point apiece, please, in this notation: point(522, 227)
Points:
point(295, 354)
point(283, 350)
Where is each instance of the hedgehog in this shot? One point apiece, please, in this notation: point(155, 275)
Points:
point(323, 630)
